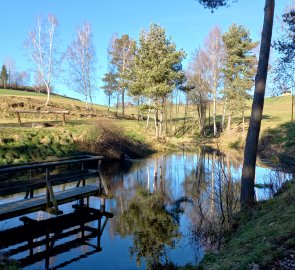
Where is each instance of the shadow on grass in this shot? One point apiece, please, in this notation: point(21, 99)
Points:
point(279, 143)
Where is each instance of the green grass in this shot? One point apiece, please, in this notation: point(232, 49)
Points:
point(62, 100)
point(9, 92)
point(261, 239)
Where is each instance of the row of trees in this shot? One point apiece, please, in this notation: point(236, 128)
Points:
point(222, 70)
point(234, 79)
point(149, 71)
point(10, 77)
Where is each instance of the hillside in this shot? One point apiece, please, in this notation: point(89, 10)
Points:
point(277, 133)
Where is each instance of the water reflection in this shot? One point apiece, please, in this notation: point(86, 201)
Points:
point(194, 196)
point(168, 209)
point(46, 240)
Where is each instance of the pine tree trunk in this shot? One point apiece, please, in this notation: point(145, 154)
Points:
point(228, 123)
point(223, 114)
point(243, 124)
point(123, 102)
point(214, 111)
point(117, 105)
point(292, 110)
point(148, 118)
point(157, 123)
point(248, 172)
point(109, 104)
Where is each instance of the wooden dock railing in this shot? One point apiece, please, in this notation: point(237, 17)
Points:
point(50, 200)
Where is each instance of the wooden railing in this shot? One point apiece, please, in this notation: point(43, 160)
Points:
point(50, 201)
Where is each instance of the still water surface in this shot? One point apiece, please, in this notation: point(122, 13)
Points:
point(159, 206)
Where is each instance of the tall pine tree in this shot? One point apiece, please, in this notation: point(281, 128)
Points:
point(239, 69)
point(156, 70)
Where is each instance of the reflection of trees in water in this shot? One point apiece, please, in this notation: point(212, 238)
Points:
point(215, 196)
point(152, 227)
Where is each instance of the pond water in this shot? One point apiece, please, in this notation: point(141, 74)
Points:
point(165, 210)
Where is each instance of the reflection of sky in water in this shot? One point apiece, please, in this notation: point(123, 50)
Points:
point(177, 168)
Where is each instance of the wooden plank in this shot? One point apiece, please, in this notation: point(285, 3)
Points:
point(41, 112)
point(46, 161)
point(13, 187)
point(48, 164)
point(26, 206)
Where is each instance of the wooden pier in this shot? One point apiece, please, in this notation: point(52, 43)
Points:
point(51, 199)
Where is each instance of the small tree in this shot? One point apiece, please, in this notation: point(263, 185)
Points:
point(41, 48)
point(10, 65)
point(4, 76)
point(110, 86)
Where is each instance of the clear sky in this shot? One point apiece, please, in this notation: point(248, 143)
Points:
point(185, 20)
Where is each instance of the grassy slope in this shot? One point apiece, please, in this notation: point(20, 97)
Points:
point(42, 97)
point(268, 235)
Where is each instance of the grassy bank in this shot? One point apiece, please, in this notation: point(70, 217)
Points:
point(109, 138)
point(264, 238)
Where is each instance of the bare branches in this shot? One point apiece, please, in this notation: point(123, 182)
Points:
point(40, 47)
point(81, 59)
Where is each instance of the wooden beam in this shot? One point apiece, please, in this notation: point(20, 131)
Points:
point(41, 112)
point(9, 169)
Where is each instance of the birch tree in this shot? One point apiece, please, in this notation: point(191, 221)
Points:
point(121, 52)
point(216, 56)
point(41, 48)
point(81, 60)
point(199, 82)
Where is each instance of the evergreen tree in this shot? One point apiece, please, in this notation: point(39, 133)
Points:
point(4, 76)
point(156, 70)
point(239, 69)
point(285, 45)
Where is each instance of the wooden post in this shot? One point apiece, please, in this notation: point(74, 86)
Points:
point(50, 193)
point(63, 119)
point(18, 118)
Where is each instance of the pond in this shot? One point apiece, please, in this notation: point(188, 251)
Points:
point(168, 209)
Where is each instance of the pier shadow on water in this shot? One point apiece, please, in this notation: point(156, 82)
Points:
point(42, 243)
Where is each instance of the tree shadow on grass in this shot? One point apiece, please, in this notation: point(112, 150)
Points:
point(279, 143)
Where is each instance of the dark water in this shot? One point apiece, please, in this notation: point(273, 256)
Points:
point(164, 210)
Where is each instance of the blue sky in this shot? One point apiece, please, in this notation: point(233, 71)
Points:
point(185, 20)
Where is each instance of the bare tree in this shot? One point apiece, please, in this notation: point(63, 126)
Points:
point(216, 54)
point(81, 59)
point(41, 49)
point(199, 83)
